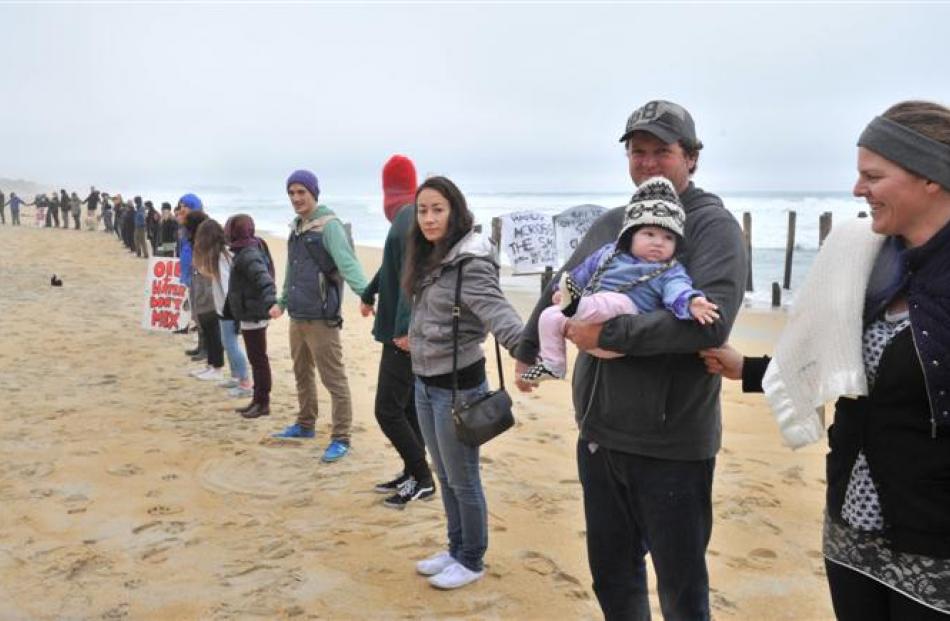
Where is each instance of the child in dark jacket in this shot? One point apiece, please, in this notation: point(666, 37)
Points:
point(251, 295)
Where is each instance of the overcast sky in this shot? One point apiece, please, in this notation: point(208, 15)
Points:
point(530, 97)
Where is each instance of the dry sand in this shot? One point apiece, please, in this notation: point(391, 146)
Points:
point(129, 490)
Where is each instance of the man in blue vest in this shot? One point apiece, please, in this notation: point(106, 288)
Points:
point(319, 259)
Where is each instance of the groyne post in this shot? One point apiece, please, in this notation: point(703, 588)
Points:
point(824, 227)
point(789, 250)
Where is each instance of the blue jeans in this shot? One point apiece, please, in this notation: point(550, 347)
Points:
point(456, 465)
point(237, 361)
point(635, 504)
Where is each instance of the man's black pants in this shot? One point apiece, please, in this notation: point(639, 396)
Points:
point(635, 504)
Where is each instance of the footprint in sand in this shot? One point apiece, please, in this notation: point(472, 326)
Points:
point(169, 477)
point(545, 566)
point(125, 470)
point(165, 510)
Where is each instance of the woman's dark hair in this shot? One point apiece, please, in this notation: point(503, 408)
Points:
point(924, 117)
point(422, 255)
point(192, 221)
point(209, 244)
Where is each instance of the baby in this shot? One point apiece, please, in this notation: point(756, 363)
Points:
point(635, 274)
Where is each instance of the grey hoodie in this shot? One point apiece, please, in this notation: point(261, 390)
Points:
point(484, 309)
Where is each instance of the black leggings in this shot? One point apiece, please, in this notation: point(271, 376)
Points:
point(856, 597)
point(255, 342)
point(396, 411)
point(212, 334)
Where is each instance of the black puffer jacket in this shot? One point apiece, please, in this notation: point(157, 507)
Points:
point(251, 290)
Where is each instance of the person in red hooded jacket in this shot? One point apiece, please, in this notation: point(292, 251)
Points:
point(395, 401)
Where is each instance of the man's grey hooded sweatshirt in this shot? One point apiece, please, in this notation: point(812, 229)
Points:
point(659, 400)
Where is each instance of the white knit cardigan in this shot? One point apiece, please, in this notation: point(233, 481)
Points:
point(818, 357)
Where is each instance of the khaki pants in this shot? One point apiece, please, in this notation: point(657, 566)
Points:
point(313, 342)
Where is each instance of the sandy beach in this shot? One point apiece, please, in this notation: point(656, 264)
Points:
point(130, 490)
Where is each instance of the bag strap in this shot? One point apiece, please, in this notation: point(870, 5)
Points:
point(456, 313)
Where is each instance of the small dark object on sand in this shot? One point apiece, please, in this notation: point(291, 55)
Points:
point(55, 282)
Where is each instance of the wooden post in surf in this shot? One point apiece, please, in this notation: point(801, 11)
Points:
point(747, 231)
point(496, 237)
point(862, 214)
point(789, 249)
point(776, 295)
point(824, 227)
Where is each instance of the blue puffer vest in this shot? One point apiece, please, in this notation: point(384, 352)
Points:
point(314, 291)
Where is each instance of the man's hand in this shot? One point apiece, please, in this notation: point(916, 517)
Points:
point(725, 361)
point(703, 310)
point(367, 309)
point(275, 312)
point(402, 342)
point(584, 335)
point(556, 297)
point(522, 385)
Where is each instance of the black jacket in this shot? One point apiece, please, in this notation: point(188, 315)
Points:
point(251, 290)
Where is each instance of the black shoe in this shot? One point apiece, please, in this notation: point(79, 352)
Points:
point(201, 355)
point(409, 491)
point(570, 295)
point(191, 352)
point(245, 408)
point(256, 411)
point(390, 487)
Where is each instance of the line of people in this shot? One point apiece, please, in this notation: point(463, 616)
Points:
point(872, 334)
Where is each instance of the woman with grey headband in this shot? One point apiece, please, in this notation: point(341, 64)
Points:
point(878, 298)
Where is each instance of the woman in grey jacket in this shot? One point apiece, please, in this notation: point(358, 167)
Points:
point(440, 244)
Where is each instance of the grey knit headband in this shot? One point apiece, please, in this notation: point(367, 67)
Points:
point(917, 153)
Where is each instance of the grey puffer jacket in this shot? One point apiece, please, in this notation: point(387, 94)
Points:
point(484, 309)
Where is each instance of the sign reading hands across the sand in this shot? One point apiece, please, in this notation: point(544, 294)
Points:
point(166, 299)
point(528, 239)
point(571, 225)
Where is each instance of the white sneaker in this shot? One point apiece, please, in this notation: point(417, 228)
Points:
point(455, 576)
point(230, 382)
point(435, 563)
point(199, 370)
point(211, 375)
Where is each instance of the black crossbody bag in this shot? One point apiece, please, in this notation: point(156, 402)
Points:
point(488, 416)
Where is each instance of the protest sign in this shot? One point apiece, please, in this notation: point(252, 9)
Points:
point(571, 225)
point(527, 237)
point(166, 300)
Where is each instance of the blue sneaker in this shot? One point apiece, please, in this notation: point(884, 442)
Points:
point(337, 449)
point(295, 431)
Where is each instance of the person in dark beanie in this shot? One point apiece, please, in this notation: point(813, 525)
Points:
point(167, 233)
point(319, 259)
point(64, 207)
point(395, 397)
point(650, 422)
point(152, 221)
point(52, 212)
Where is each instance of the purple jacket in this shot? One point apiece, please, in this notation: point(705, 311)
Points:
point(673, 289)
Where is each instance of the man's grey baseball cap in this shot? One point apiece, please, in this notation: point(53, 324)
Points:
point(666, 120)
